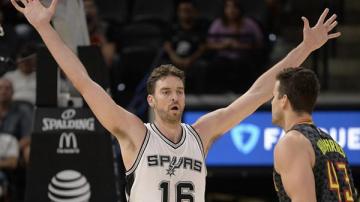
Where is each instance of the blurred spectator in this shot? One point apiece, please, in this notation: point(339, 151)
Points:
point(17, 122)
point(186, 44)
point(9, 153)
point(96, 26)
point(23, 81)
point(2, 33)
point(97, 32)
point(234, 38)
point(186, 41)
point(234, 31)
point(13, 120)
point(23, 78)
point(102, 34)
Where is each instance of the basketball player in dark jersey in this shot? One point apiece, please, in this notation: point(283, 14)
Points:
point(166, 97)
point(308, 164)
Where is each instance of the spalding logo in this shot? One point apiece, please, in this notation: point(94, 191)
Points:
point(67, 122)
point(68, 114)
point(69, 185)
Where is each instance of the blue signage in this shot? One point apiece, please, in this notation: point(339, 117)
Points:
point(252, 142)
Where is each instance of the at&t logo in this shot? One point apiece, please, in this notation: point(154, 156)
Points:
point(69, 185)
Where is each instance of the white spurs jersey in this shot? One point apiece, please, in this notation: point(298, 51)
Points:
point(168, 172)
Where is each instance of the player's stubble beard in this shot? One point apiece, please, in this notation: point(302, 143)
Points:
point(167, 116)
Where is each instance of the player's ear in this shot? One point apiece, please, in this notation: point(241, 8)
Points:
point(284, 101)
point(150, 100)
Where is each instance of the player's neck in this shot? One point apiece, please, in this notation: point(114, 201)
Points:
point(172, 130)
point(295, 119)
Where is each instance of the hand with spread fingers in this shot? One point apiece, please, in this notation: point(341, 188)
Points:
point(315, 37)
point(36, 13)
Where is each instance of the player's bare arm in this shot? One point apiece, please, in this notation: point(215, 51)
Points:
point(128, 129)
point(216, 123)
point(294, 159)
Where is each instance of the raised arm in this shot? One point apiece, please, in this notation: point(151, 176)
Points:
point(114, 118)
point(216, 123)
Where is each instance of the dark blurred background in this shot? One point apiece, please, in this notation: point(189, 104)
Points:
point(222, 45)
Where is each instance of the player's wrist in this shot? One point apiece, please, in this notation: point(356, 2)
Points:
point(42, 27)
point(304, 45)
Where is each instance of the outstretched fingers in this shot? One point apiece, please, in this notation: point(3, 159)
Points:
point(330, 24)
point(334, 35)
point(53, 5)
point(17, 6)
point(330, 20)
point(323, 16)
point(25, 2)
point(331, 27)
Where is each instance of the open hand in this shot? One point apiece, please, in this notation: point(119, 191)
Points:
point(315, 37)
point(35, 12)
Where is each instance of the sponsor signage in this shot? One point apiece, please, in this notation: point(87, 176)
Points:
point(49, 120)
point(71, 157)
point(69, 185)
point(252, 142)
point(68, 144)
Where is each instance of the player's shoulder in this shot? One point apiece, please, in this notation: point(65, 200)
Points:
point(291, 138)
point(293, 147)
point(292, 143)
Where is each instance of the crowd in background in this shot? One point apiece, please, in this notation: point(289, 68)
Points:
point(221, 54)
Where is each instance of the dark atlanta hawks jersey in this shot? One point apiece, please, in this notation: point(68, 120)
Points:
point(333, 180)
point(168, 172)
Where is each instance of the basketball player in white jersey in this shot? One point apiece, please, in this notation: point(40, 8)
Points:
point(165, 160)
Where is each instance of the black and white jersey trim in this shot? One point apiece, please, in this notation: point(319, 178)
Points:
point(169, 142)
point(142, 149)
point(197, 137)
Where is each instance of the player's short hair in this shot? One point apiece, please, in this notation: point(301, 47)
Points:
point(161, 72)
point(301, 86)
